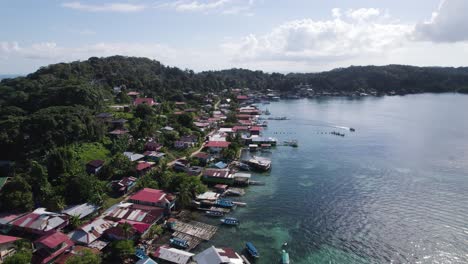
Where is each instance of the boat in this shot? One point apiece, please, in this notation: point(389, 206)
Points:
point(224, 203)
point(230, 221)
point(267, 112)
point(284, 257)
point(179, 243)
point(214, 213)
point(243, 167)
point(352, 129)
point(252, 250)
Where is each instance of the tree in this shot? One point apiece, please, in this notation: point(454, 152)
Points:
point(148, 181)
point(17, 195)
point(122, 249)
point(21, 257)
point(126, 228)
point(75, 221)
point(143, 111)
point(41, 187)
point(84, 257)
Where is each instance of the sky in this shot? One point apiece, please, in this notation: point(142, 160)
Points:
point(269, 35)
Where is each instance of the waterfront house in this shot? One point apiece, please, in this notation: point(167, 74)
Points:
point(213, 255)
point(173, 255)
point(207, 196)
point(94, 166)
point(223, 176)
point(141, 217)
point(123, 185)
point(243, 117)
point(147, 101)
point(255, 130)
point(49, 247)
point(153, 197)
point(82, 210)
point(7, 246)
point(217, 146)
point(91, 232)
point(40, 222)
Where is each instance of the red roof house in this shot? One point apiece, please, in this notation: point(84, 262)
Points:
point(7, 246)
point(217, 144)
point(152, 197)
point(242, 97)
point(143, 167)
point(148, 101)
point(50, 247)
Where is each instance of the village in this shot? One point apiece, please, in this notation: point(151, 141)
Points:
point(157, 225)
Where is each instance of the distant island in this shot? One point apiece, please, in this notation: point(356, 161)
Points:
point(152, 77)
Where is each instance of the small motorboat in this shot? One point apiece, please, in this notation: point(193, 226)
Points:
point(284, 257)
point(252, 250)
point(352, 129)
point(214, 213)
point(230, 221)
point(224, 203)
point(179, 243)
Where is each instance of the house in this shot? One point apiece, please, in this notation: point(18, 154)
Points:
point(119, 233)
point(173, 255)
point(243, 117)
point(255, 130)
point(147, 101)
point(217, 146)
point(153, 197)
point(89, 233)
point(7, 246)
point(207, 196)
point(168, 128)
point(133, 94)
point(123, 185)
point(40, 222)
point(133, 156)
point(194, 170)
point(141, 217)
point(184, 142)
point(82, 210)
point(6, 219)
point(49, 247)
point(202, 125)
point(118, 132)
point(143, 167)
point(105, 117)
point(153, 156)
point(147, 260)
point(77, 250)
point(181, 165)
point(94, 166)
point(242, 97)
point(203, 157)
point(220, 165)
point(222, 176)
point(214, 255)
point(118, 123)
point(153, 146)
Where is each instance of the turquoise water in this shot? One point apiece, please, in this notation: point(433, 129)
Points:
point(395, 191)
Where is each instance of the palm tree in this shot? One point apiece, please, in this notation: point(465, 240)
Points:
point(126, 228)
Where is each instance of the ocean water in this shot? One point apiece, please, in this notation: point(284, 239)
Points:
point(395, 191)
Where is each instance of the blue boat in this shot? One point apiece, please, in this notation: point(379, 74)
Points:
point(230, 221)
point(214, 213)
point(252, 250)
point(284, 257)
point(179, 243)
point(224, 203)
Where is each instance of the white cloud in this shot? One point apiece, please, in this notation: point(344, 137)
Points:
point(362, 32)
point(110, 7)
point(228, 7)
point(448, 24)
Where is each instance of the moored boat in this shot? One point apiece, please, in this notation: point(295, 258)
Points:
point(224, 203)
point(251, 249)
point(214, 213)
point(230, 221)
point(179, 243)
point(284, 257)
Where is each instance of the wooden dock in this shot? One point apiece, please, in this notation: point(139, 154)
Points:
point(194, 232)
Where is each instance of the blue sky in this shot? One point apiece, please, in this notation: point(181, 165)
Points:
point(284, 36)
